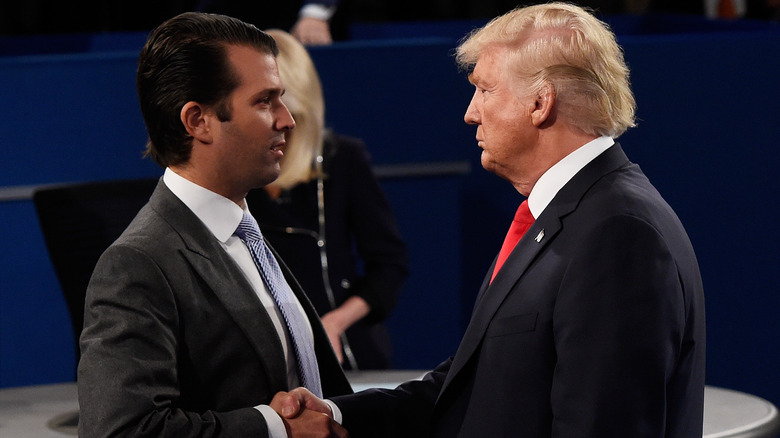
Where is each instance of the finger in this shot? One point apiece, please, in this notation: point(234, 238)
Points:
point(311, 402)
point(286, 404)
point(338, 431)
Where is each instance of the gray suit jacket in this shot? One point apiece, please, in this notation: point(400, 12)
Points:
point(175, 341)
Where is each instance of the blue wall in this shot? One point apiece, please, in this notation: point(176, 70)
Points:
point(709, 103)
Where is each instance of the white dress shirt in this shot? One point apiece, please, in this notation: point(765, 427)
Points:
point(222, 216)
point(318, 11)
point(562, 172)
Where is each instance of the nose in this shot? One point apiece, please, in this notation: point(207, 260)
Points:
point(284, 119)
point(472, 116)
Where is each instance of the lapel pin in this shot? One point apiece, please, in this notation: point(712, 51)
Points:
point(539, 236)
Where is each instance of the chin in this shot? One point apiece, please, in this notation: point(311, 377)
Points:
point(266, 179)
point(486, 163)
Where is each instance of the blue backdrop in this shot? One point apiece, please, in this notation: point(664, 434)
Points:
point(708, 100)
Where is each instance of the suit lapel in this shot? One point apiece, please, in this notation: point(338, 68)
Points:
point(541, 234)
point(226, 281)
point(493, 294)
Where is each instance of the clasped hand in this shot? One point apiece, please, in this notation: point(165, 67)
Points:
point(306, 416)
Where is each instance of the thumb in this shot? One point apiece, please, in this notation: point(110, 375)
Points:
point(286, 404)
point(310, 401)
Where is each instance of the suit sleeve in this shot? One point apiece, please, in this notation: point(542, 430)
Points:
point(388, 413)
point(127, 379)
point(618, 325)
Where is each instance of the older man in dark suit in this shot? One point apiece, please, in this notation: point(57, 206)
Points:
point(191, 324)
point(592, 325)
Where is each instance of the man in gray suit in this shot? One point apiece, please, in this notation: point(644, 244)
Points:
point(182, 334)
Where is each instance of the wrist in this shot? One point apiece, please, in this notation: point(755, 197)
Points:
point(336, 320)
point(335, 411)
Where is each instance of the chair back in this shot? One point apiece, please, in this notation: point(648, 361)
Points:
point(79, 221)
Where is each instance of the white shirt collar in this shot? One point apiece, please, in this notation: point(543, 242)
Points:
point(561, 172)
point(220, 215)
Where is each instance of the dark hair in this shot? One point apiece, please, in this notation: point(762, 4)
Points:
point(185, 59)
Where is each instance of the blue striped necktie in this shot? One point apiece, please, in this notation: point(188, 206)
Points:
point(249, 233)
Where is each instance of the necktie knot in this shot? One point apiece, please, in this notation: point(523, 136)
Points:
point(248, 229)
point(520, 224)
point(523, 214)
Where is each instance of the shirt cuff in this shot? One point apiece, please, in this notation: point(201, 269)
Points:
point(337, 417)
point(318, 11)
point(275, 424)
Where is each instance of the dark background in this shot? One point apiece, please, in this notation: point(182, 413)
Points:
point(29, 17)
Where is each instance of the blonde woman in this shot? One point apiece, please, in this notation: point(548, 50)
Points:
point(326, 214)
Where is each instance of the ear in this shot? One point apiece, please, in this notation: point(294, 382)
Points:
point(197, 122)
point(545, 102)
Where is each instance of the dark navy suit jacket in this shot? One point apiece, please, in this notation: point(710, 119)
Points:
point(594, 327)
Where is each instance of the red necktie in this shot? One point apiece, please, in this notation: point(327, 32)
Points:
point(726, 9)
point(520, 224)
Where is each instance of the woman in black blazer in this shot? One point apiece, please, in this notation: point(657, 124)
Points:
point(331, 223)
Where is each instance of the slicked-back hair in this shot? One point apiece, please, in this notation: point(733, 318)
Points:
point(566, 46)
point(185, 60)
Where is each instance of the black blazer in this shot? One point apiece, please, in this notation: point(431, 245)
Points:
point(175, 341)
point(593, 328)
point(360, 230)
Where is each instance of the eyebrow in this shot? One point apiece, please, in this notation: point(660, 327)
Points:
point(269, 92)
point(477, 80)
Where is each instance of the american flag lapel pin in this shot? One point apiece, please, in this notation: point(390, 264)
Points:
point(539, 236)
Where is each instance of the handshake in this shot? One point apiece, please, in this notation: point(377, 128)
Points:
point(304, 415)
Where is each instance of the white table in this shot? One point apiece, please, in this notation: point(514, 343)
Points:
point(735, 414)
point(39, 411)
point(26, 412)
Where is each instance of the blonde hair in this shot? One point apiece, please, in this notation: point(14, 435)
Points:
point(565, 46)
point(303, 97)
